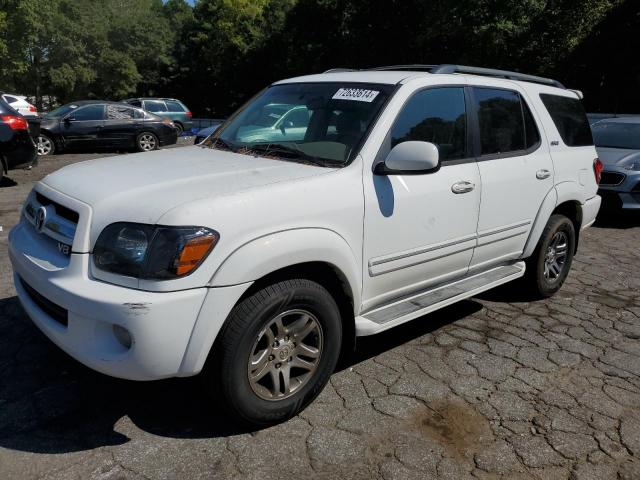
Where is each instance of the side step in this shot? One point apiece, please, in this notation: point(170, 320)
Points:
point(409, 308)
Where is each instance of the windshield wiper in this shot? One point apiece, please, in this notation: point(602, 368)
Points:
point(286, 152)
point(221, 144)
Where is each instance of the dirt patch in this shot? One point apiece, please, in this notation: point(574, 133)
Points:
point(457, 426)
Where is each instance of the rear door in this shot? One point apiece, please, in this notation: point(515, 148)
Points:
point(516, 171)
point(120, 126)
point(81, 128)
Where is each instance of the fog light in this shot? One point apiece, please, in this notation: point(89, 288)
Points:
point(123, 336)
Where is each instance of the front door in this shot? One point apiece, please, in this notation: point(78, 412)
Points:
point(420, 230)
point(81, 128)
point(516, 171)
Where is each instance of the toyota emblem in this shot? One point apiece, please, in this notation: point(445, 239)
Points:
point(41, 216)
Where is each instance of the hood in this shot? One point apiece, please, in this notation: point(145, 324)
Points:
point(617, 157)
point(141, 187)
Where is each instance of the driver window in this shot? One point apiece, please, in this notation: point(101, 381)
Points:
point(435, 115)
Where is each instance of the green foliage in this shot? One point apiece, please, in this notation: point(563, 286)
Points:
point(215, 54)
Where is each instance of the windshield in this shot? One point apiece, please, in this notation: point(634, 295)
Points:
point(62, 111)
point(617, 135)
point(322, 123)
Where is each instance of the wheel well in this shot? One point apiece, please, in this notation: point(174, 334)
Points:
point(573, 211)
point(330, 278)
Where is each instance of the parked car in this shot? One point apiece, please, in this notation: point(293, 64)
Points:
point(202, 134)
point(17, 147)
point(103, 125)
point(618, 143)
point(167, 108)
point(19, 103)
point(257, 263)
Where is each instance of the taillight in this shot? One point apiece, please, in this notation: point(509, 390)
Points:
point(189, 114)
point(33, 109)
point(597, 169)
point(15, 123)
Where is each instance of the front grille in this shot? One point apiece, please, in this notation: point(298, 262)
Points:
point(612, 178)
point(61, 210)
point(56, 312)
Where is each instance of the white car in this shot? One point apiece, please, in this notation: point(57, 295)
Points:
point(20, 104)
point(257, 264)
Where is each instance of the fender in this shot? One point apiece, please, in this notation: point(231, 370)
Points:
point(278, 250)
point(544, 212)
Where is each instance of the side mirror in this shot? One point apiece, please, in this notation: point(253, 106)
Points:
point(410, 158)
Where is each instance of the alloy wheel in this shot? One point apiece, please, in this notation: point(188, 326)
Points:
point(285, 355)
point(556, 256)
point(147, 142)
point(44, 145)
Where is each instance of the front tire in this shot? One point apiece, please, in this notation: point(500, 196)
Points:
point(276, 352)
point(548, 267)
point(45, 145)
point(146, 142)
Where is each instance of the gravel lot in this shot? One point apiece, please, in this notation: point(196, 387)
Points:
point(494, 387)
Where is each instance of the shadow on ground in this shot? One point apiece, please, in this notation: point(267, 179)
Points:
point(49, 403)
point(617, 218)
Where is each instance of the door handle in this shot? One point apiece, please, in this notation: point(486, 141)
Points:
point(542, 174)
point(463, 187)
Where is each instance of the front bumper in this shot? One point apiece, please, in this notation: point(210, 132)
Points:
point(160, 325)
point(626, 195)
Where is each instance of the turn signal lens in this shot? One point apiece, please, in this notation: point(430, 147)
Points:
point(193, 253)
point(597, 169)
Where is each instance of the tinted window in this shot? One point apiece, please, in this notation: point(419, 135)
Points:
point(570, 119)
point(135, 103)
point(435, 115)
point(155, 106)
point(90, 112)
point(10, 99)
point(501, 121)
point(297, 118)
point(617, 135)
point(116, 112)
point(174, 106)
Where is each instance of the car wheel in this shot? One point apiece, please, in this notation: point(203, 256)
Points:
point(147, 142)
point(548, 267)
point(179, 127)
point(45, 146)
point(275, 352)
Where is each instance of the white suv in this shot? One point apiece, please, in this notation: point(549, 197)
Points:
point(257, 259)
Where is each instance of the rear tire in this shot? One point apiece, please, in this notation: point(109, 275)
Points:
point(146, 142)
point(276, 352)
point(550, 263)
point(179, 127)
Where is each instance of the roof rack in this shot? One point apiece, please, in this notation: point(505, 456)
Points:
point(446, 68)
point(490, 72)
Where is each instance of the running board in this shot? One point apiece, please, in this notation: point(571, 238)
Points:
point(409, 308)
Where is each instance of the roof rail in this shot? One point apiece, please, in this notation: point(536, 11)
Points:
point(446, 68)
point(412, 67)
point(490, 72)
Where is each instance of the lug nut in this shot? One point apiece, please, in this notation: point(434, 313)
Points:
point(290, 359)
point(271, 357)
point(278, 365)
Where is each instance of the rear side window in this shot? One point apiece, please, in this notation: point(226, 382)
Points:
point(116, 112)
point(135, 103)
point(435, 115)
point(155, 106)
point(10, 99)
point(570, 119)
point(174, 106)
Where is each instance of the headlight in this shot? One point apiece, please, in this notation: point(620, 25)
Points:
point(633, 164)
point(152, 252)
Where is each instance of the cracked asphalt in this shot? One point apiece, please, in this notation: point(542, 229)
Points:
point(494, 387)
